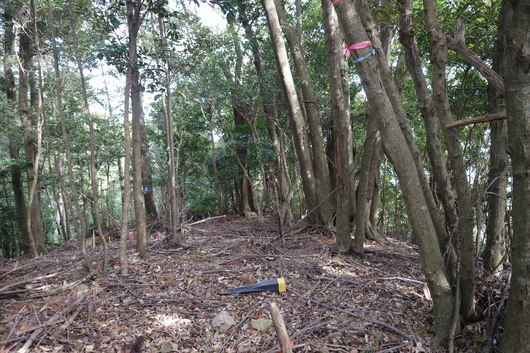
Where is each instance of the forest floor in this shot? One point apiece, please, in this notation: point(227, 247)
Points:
point(167, 302)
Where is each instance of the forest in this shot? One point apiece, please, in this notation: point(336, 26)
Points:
point(370, 156)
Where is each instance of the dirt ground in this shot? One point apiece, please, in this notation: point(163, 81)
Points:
point(167, 303)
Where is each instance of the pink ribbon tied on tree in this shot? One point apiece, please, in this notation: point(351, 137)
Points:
point(347, 49)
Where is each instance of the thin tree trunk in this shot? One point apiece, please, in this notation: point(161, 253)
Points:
point(295, 114)
point(37, 237)
point(133, 22)
point(284, 185)
point(80, 224)
point(367, 176)
point(14, 127)
point(324, 190)
point(59, 200)
point(126, 196)
point(147, 177)
point(444, 188)
point(93, 171)
point(208, 115)
point(456, 159)
point(340, 104)
point(26, 55)
point(240, 110)
point(168, 117)
point(495, 248)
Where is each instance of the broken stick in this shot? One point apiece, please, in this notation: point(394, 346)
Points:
point(281, 331)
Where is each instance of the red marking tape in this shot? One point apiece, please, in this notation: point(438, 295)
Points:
point(291, 343)
point(347, 49)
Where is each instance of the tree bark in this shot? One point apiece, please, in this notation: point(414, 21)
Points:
point(320, 163)
point(396, 148)
point(33, 215)
point(456, 159)
point(284, 186)
point(516, 74)
point(14, 145)
point(126, 193)
point(340, 107)
point(295, 114)
point(93, 170)
point(134, 21)
point(366, 179)
point(495, 248)
point(443, 185)
point(400, 113)
point(168, 117)
point(147, 177)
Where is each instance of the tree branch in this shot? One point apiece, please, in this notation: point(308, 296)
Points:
point(478, 119)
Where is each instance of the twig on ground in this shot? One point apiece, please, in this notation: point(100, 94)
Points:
point(67, 323)
point(30, 340)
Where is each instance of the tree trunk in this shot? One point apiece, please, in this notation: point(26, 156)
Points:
point(133, 23)
point(240, 110)
point(295, 114)
point(320, 163)
point(93, 171)
point(33, 215)
point(400, 113)
point(284, 185)
point(147, 178)
point(364, 190)
point(495, 248)
point(168, 117)
point(343, 147)
point(126, 195)
point(80, 224)
point(14, 145)
point(516, 74)
point(443, 185)
point(456, 159)
point(208, 115)
point(397, 149)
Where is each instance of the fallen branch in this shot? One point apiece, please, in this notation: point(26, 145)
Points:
point(205, 220)
point(4, 290)
point(67, 323)
point(30, 340)
point(281, 331)
point(53, 320)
